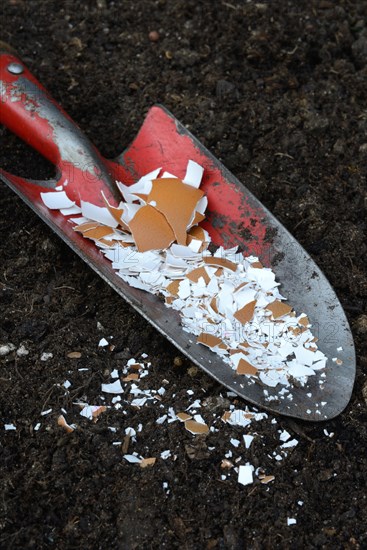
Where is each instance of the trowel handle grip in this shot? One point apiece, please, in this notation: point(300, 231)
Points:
point(29, 111)
point(26, 108)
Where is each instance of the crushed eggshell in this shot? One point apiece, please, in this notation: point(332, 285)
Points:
point(245, 474)
point(244, 367)
point(56, 200)
point(62, 422)
point(210, 340)
point(196, 428)
point(165, 454)
point(92, 411)
point(147, 462)
point(183, 417)
point(198, 448)
point(133, 459)
point(248, 439)
point(194, 174)
point(284, 435)
point(278, 309)
point(246, 313)
point(114, 387)
point(74, 355)
point(176, 201)
point(266, 479)
point(22, 351)
point(231, 303)
point(131, 376)
point(226, 464)
point(160, 234)
point(9, 427)
point(46, 356)
point(5, 349)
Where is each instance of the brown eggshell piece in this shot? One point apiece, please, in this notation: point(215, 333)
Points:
point(279, 308)
point(98, 232)
point(146, 462)
point(244, 367)
point(220, 262)
point(198, 217)
point(246, 313)
point(177, 201)
point(151, 230)
point(174, 286)
point(83, 227)
point(195, 275)
point(62, 422)
point(183, 417)
point(197, 233)
point(210, 340)
point(116, 213)
point(196, 427)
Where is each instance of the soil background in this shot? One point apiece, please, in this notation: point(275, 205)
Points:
point(278, 91)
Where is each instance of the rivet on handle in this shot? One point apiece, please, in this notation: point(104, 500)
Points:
point(15, 68)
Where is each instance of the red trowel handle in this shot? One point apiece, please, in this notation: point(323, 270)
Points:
point(25, 106)
point(32, 114)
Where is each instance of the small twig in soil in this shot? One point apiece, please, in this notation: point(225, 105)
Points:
point(283, 155)
point(252, 491)
point(126, 443)
point(62, 287)
point(48, 395)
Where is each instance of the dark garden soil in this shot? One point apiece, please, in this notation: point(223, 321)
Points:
point(278, 91)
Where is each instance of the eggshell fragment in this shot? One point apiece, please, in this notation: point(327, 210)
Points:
point(213, 292)
point(279, 309)
point(266, 479)
point(195, 275)
point(176, 201)
point(245, 476)
point(147, 462)
point(183, 417)
point(246, 313)
point(210, 340)
point(220, 262)
point(62, 422)
point(151, 230)
point(196, 428)
point(74, 355)
point(244, 367)
point(98, 232)
point(56, 200)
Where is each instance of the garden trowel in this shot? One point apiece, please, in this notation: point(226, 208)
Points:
point(234, 218)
